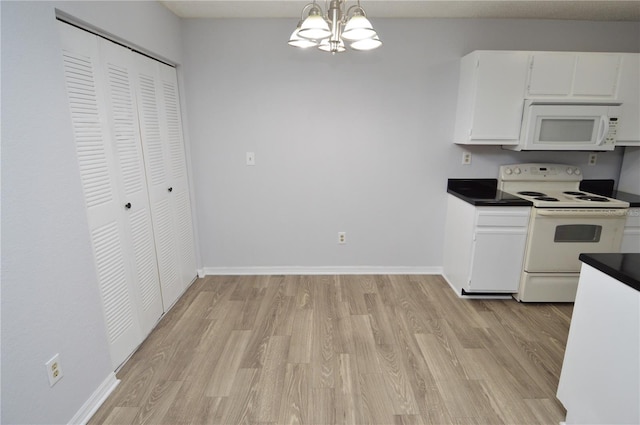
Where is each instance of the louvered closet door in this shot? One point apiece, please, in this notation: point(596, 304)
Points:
point(181, 202)
point(154, 140)
point(116, 62)
point(104, 208)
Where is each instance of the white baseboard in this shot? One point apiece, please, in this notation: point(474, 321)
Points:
point(98, 397)
point(317, 270)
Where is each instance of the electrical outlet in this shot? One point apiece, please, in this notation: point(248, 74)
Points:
point(251, 158)
point(54, 370)
point(342, 237)
point(593, 158)
point(466, 158)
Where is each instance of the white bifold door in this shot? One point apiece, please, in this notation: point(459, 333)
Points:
point(127, 131)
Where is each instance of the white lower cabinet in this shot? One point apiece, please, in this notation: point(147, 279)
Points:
point(128, 140)
point(484, 247)
point(631, 235)
point(600, 377)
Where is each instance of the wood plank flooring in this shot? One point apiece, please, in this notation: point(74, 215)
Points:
point(343, 350)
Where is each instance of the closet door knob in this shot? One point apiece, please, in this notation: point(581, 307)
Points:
point(170, 189)
point(127, 205)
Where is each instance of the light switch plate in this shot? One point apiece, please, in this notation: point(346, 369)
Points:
point(251, 158)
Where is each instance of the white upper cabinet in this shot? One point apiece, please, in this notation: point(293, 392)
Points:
point(491, 97)
point(495, 84)
point(572, 76)
point(629, 95)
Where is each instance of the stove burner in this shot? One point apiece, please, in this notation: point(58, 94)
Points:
point(545, 198)
point(593, 198)
point(528, 193)
point(575, 193)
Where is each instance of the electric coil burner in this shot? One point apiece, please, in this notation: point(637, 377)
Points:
point(564, 223)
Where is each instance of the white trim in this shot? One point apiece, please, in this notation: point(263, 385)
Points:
point(98, 397)
point(318, 270)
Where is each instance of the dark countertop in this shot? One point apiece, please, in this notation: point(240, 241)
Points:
point(623, 267)
point(605, 188)
point(483, 193)
point(633, 200)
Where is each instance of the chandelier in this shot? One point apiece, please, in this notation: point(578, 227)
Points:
point(330, 32)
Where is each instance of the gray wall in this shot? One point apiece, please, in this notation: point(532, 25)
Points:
point(50, 300)
point(359, 142)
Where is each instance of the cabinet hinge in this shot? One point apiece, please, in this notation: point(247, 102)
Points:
point(478, 63)
point(470, 131)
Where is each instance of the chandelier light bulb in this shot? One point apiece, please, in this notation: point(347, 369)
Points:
point(296, 41)
point(367, 44)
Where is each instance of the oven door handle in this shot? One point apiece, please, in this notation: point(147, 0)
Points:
point(604, 129)
point(577, 213)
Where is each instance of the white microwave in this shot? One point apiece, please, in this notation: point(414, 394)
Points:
point(568, 127)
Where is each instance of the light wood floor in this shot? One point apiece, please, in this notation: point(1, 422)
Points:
point(343, 350)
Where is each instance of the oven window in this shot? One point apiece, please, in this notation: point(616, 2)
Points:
point(578, 233)
point(566, 130)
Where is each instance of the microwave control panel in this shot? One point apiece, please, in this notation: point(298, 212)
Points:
point(612, 135)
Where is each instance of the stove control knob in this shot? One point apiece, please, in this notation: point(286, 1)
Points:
point(508, 171)
point(576, 172)
point(569, 171)
point(517, 170)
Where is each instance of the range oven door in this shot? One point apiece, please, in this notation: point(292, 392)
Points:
point(558, 236)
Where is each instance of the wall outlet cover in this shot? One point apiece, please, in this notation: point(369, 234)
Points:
point(54, 370)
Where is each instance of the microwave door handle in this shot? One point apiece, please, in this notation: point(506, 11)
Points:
point(604, 129)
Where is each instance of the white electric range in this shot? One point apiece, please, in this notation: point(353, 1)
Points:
point(565, 222)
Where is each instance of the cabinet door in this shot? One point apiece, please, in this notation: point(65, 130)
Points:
point(96, 160)
point(551, 74)
point(596, 75)
point(129, 166)
point(631, 240)
point(631, 234)
point(629, 95)
point(498, 103)
point(497, 258)
point(574, 76)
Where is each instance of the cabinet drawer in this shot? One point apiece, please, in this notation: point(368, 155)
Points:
point(633, 218)
point(503, 219)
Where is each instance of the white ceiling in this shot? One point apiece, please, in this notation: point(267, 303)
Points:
point(590, 10)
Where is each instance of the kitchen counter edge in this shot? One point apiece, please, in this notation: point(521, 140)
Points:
point(620, 266)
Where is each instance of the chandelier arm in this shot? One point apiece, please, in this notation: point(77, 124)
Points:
point(354, 7)
point(307, 8)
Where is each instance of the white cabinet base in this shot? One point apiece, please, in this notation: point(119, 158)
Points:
point(600, 377)
point(484, 248)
